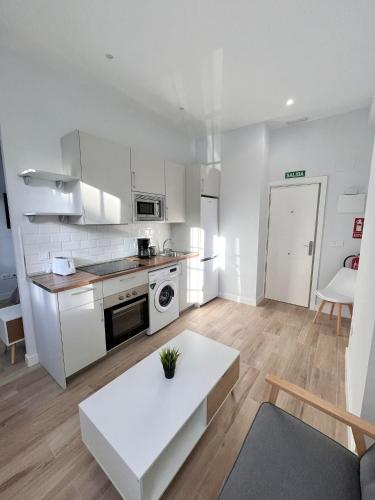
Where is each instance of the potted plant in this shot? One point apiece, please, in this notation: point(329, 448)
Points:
point(168, 357)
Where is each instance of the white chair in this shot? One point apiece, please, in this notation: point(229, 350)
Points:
point(340, 290)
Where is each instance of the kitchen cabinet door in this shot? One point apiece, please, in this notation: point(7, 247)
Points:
point(83, 336)
point(106, 181)
point(210, 180)
point(147, 172)
point(174, 192)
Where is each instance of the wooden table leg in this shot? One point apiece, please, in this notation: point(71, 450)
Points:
point(13, 354)
point(319, 310)
point(339, 320)
point(332, 308)
point(351, 309)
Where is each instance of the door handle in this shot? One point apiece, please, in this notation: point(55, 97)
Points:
point(133, 175)
point(310, 246)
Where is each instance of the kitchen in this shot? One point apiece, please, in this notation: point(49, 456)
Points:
point(122, 298)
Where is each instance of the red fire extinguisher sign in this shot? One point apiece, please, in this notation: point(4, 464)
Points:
point(358, 227)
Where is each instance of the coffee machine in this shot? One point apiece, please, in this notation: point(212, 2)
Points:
point(143, 248)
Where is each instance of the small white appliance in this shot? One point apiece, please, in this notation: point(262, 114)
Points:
point(163, 297)
point(63, 266)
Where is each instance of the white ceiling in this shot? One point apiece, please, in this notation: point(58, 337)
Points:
point(227, 62)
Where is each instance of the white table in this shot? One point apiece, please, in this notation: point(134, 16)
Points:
point(141, 427)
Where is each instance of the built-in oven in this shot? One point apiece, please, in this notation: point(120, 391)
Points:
point(125, 315)
point(148, 207)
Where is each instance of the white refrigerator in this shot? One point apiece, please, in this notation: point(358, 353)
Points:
point(209, 249)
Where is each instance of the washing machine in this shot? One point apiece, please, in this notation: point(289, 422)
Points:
point(163, 297)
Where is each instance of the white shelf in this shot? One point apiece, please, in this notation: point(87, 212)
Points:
point(62, 216)
point(59, 179)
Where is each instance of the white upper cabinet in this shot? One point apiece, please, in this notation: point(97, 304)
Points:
point(104, 169)
point(210, 181)
point(174, 192)
point(147, 172)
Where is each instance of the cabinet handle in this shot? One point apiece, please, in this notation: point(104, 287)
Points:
point(128, 278)
point(83, 291)
point(133, 175)
point(166, 213)
point(102, 310)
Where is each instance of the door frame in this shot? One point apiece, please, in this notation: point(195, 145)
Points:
point(323, 182)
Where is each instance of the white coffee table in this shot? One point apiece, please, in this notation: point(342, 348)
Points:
point(141, 427)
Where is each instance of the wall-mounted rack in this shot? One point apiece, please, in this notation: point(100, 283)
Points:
point(59, 179)
point(63, 217)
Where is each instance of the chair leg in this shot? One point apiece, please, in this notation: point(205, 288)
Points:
point(351, 309)
point(319, 311)
point(332, 308)
point(339, 320)
point(13, 354)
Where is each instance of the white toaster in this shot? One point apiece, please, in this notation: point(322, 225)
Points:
point(63, 266)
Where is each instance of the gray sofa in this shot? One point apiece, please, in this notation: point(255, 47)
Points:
point(284, 458)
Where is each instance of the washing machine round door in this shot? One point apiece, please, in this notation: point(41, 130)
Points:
point(165, 296)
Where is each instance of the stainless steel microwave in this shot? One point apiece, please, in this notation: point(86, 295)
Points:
point(148, 207)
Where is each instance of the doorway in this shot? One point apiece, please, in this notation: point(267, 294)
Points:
point(292, 240)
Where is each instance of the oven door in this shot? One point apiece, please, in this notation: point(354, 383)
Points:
point(148, 209)
point(124, 321)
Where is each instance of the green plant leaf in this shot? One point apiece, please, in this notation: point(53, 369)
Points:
point(169, 356)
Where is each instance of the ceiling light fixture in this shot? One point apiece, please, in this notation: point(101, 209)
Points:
point(109, 56)
point(290, 102)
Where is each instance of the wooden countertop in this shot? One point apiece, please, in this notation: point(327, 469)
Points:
point(55, 283)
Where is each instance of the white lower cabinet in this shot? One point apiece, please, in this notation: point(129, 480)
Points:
point(83, 335)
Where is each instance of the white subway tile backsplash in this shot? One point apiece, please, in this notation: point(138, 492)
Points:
point(85, 244)
point(70, 245)
point(79, 236)
point(61, 253)
point(60, 237)
point(88, 244)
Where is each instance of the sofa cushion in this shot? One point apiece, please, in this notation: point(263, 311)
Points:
point(284, 458)
point(367, 474)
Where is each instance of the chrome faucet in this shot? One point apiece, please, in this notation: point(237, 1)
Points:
point(165, 241)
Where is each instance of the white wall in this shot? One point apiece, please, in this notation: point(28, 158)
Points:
point(243, 212)
point(37, 107)
point(7, 260)
point(361, 372)
point(339, 147)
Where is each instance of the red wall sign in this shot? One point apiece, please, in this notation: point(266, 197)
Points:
point(358, 227)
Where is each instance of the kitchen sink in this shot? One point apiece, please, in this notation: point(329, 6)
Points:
point(173, 253)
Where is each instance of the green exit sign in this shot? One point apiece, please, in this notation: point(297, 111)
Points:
point(296, 173)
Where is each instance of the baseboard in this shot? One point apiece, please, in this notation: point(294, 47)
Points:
point(238, 298)
point(32, 359)
point(259, 299)
point(348, 399)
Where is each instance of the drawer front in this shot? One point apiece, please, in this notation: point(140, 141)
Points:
point(221, 390)
point(124, 282)
point(80, 296)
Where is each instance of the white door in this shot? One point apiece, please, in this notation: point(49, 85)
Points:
point(106, 186)
point(209, 227)
point(147, 172)
point(83, 336)
point(174, 192)
point(291, 243)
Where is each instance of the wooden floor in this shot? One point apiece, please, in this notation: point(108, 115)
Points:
point(41, 453)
